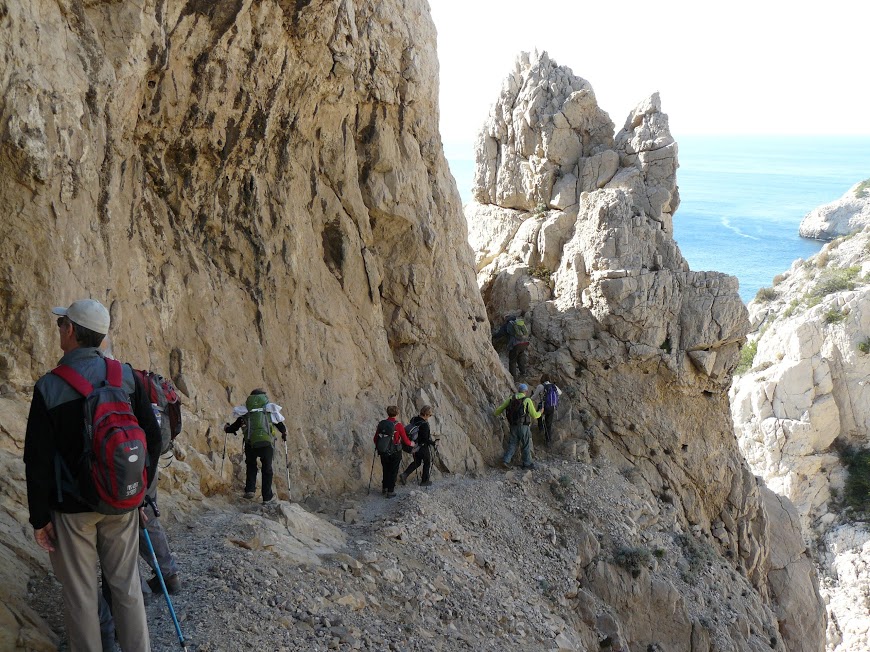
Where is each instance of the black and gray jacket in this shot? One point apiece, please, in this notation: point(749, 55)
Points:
point(55, 426)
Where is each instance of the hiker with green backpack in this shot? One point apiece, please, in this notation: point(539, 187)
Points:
point(517, 328)
point(259, 419)
point(520, 410)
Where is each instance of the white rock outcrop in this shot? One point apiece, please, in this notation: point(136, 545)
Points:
point(573, 225)
point(848, 214)
point(803, 401)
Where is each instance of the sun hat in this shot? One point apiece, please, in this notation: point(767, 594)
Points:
point(88, 313)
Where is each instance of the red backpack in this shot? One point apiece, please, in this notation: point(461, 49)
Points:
point(167, 407)
point(115, 450)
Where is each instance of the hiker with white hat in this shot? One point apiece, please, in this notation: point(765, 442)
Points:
point(85, 485)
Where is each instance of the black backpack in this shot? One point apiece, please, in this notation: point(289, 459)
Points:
point(413, 431)
point(384, 438)
point(516, 411)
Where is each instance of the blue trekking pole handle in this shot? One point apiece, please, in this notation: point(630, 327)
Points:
point(151, 502)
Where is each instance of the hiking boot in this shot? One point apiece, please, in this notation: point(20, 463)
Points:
point(249, 494)
point(270, 499)
point(529, 467)
point(173, 584)
point(390, 494)
point(426, 483)
point(504, 464)
point(403, 478)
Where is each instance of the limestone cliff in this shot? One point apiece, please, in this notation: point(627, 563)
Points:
point(848, 214)
point(259, 193)
point(803, 401)
point(573, 225)
point(257, 190)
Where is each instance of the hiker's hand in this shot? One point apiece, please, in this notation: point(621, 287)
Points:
point(45, 537)
point(142, 518)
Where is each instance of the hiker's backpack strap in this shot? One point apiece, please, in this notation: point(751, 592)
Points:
point(114, 374)
point(74, 379)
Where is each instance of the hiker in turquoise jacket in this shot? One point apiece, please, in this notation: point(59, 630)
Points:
point(520, 411)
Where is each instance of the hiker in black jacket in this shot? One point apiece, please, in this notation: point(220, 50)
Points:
point(423, 446)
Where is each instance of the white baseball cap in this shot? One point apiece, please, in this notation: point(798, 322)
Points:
point(88, 313)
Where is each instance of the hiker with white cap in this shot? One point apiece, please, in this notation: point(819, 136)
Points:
point(520, 410)
point(86, 477)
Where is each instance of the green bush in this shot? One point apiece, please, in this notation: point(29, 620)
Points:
point(856, 493)
point(835, 280)
point(834, 316)
point(864, 347)
point(541, 272)
point(766, 294)
point(633, 559)
point(747, 356)
point(792, 306)
point(862, 190)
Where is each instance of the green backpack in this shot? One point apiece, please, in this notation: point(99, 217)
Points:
point(520, 329)
point(258, 422)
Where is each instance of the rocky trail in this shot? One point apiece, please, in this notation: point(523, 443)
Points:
point(493, 562)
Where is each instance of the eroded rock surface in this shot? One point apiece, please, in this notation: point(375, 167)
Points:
point(583, 244)
point(258, 192)
point(803, 401)
point(848, 214)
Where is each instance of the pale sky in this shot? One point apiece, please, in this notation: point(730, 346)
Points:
point(745, 66)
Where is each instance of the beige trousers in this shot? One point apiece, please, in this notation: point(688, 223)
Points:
point(82, 539)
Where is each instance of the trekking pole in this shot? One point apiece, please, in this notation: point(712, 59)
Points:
point(157, 570)
point(287, 468)
point(224, 456)
point(371, 475)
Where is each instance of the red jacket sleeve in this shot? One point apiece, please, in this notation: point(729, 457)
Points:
point(402, 435)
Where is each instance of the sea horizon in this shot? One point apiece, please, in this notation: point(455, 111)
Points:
point(742, 197)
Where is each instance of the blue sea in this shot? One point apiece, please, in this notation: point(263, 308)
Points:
point(742, 198)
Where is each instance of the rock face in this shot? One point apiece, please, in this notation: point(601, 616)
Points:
point(803, 401)
point(850, 213)
point(572, 225)
point(259, 194)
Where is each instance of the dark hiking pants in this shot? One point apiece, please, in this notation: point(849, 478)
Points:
point(390, 466)
point(264, 453)
point(422, 456)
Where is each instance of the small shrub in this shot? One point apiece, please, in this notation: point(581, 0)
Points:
point(541, 272)
point(779, 278)
point(834, 316)
point(666, 345)
point(856, 492)
point(697, 553)
point(566, 481)
point(792, 306)
point(766, 294)
point(747, 356)
point(633, 559)
point(540, 209)
point(864, 347)
point(659, 553)
point(835, 280)
point(863, 189)
point(822, 258)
